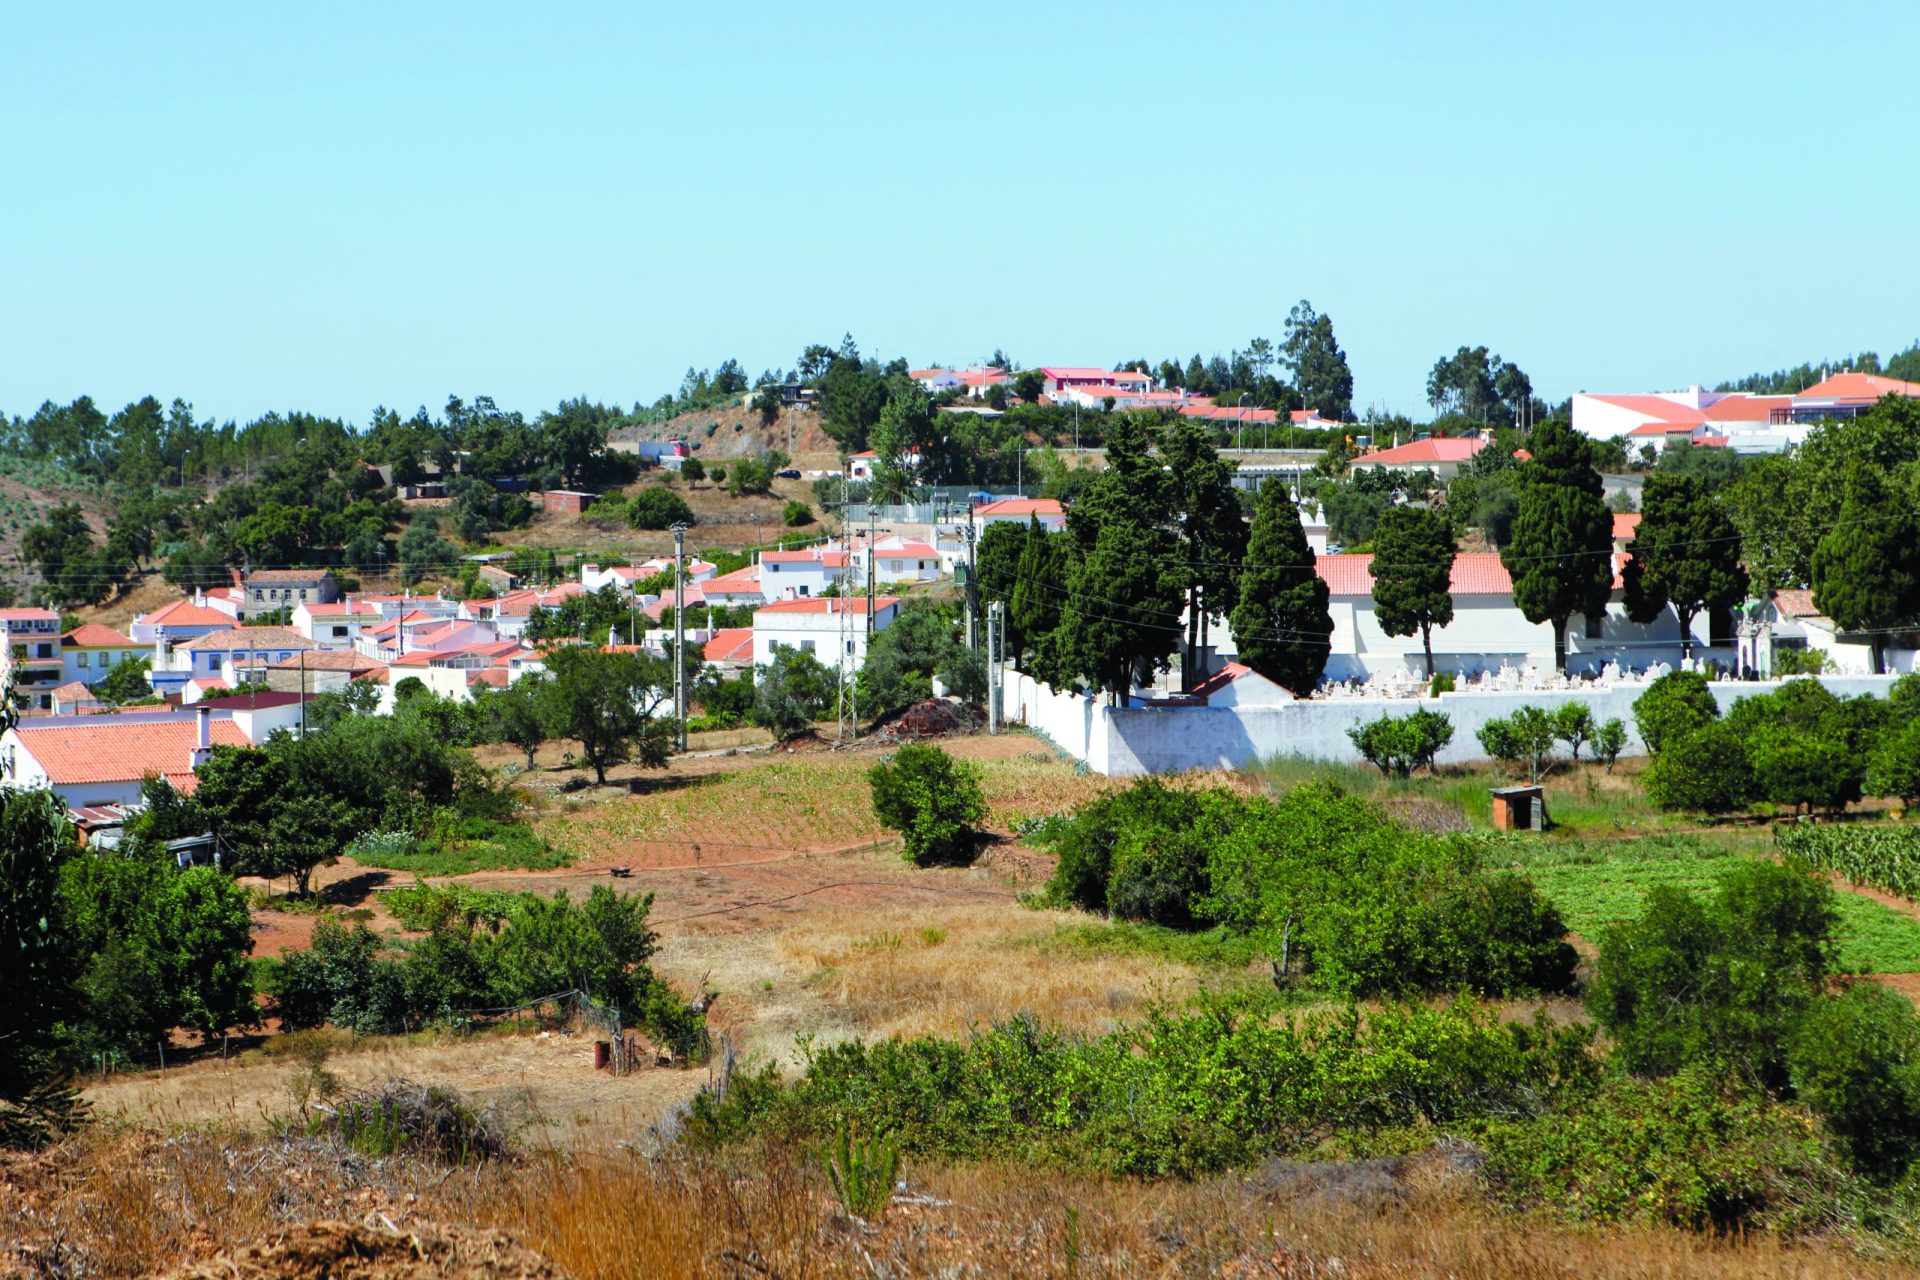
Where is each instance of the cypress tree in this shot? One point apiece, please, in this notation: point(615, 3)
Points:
point(1213, 534)
point(1281, 624)
point(1413, 574)
point(1866, 569)
point(1685, 555)
point(1560, 554)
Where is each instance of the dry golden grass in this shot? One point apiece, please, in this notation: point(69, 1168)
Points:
point(129, 1204)
point(936, 971)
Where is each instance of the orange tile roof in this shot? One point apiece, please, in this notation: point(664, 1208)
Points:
point(185, 613)
point(1021, 507)
point(1740, 407)
point(1657, 407)
point(122, 752)
point(1795, 604)
point(1475, 573)
point(1859, 386)
point(729, 644)
point(826, 604)
point(238, 638)
point(1625, 525)
point(1435, 449)
point(328, 660)
point(75, 691)
point(94, 635)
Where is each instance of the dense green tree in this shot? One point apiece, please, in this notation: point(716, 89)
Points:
point(1686, 555)
point(572, 437)
point(658, 507)
point(932, 800)
point(1708, 769)
point(1281, 624)
point(1855, 1059)
point(521, 713)
point(792, 692)
point(1321, 376)
point(1561, 553)
point(1672, 707)
point(996, 562)
point(74, 570)
point(904, 431)
point(1033, 615)
point(1866, 568)
point(423, 553)
point(747, 476)
point(1122, 607)
point(1717, 981)
point(1413, 574)
point(126, 682)
point(1212, 531)
point(607, 702)
point(37, 964)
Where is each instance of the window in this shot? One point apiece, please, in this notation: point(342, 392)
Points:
point(81, 661)
point(806, 646)
point(339, 631)
point(1596, 625)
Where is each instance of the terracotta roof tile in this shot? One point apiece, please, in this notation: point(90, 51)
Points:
point(94, 635)
point(121, 752)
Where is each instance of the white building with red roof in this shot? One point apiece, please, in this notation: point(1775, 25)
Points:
point(103, 759)
point(30, 656)
point(729, 649)
point(789, 575)
point(1048, 511)
point(821, 626)
point(1441, 456)
point(742, 586)
point(1742, 421)
point(182, 620)
point(335, 625)
point(897, 559)
point(1060, 379)
point(91, 650)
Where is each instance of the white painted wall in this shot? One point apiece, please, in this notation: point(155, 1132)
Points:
point(1142, 740)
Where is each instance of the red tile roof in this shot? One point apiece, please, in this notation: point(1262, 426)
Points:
point(249, 638)
point(328, 660)
point(1220, 680)
point(94, 635)
point(1741, 407)
point(185, 613)
point(826, 604)
point(1859, 386)
point(75, 691)
point(1475, 573)
point(1435, 449)
point(494, 677)
point(1021, 507)
point(121, 752)
point(1795, 604)
point(1625, 525)
point(28, 615)
point(831, 559)
point(730, 644)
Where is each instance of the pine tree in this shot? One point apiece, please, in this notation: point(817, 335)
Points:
point(1560, 553)
point(1413, 574)
point(1038, 592)
point(1213, 535)
point(1866, 569)
point(1686, 554)
point(1281, 624)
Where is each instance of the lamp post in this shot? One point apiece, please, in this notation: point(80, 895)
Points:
point(679, 633)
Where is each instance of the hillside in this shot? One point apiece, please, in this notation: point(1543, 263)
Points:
point(28, 491)
point(738, 432)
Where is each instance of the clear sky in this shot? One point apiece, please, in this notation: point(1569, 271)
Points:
point(333, 206)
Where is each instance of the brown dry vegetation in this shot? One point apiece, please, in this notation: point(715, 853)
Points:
point(124, 1204)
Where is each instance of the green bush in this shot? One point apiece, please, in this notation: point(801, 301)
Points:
point(658, 507)
point(1084, 843)
point(1693, 1150)
point(1672, 707)
point(1716, 980)
point(1526, 735)
point(1180, 1094)
point(1609, 740)
point(1855, 1059)
point(792, 692)
point(1397, 745)
point(1573, 725)
point(1706, 769)
point(796, 514)
point(1804, 770)
point(1442, 682)
point(932, 800)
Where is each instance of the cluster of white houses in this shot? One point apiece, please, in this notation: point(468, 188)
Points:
point(1737, 420)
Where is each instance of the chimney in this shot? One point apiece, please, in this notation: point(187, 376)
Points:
point(203, 738)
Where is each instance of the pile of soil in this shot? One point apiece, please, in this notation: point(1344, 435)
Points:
point(343, 1251)
point(933, 718)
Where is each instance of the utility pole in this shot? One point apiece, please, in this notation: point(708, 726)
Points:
point(680, 632)
point(873, 530)
point(996, 641)
point(973, 577)
point(849, 698)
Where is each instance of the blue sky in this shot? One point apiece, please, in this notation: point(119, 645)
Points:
point(334, 206)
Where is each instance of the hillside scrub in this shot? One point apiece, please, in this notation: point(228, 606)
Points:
point(1321, 880)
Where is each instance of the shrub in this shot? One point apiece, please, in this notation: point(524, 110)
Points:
point(1399, 745)
point(1609, 740)
point(1855, 1059)
point(862, 1173)
point(1689, 1151)
point(1799, 662)
point(1442, 682)
point(1083, 844)
point(748, 477)
point(1804, 770)
point(1705, 770)
point(1528, 734)
point(792, 692)
point(1159, 870)
point(658, 507)
point(932, 800)
point(1573, 725)
point(1716, 980)
point(796, 514)
point(1673, 706)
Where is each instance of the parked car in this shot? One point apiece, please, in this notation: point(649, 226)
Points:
point(791, 473)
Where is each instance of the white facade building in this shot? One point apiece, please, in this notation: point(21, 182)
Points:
point(792, 575)
point(821, 627)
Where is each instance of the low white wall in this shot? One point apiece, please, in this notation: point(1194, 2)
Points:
point(1143, 740)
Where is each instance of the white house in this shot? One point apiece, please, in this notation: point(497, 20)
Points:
point(100, 760)
point(935, 379)
point(267, 590)
point(861, 466)
point(1048, 511)
point(787, 575)
point(1441, 455)
point(742, 586)
point(336, 625)
point(815, 626)
point(30, 656)
point(212, 654)
point(1061, 378)
point(897, 559)
point(183, 620)
point(91, 650)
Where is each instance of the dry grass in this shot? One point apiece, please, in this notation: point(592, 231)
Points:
point(942, 972)
point(127, 1204)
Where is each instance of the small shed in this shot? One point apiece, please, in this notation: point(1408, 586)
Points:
point(1519, 809)
point(569, 501)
